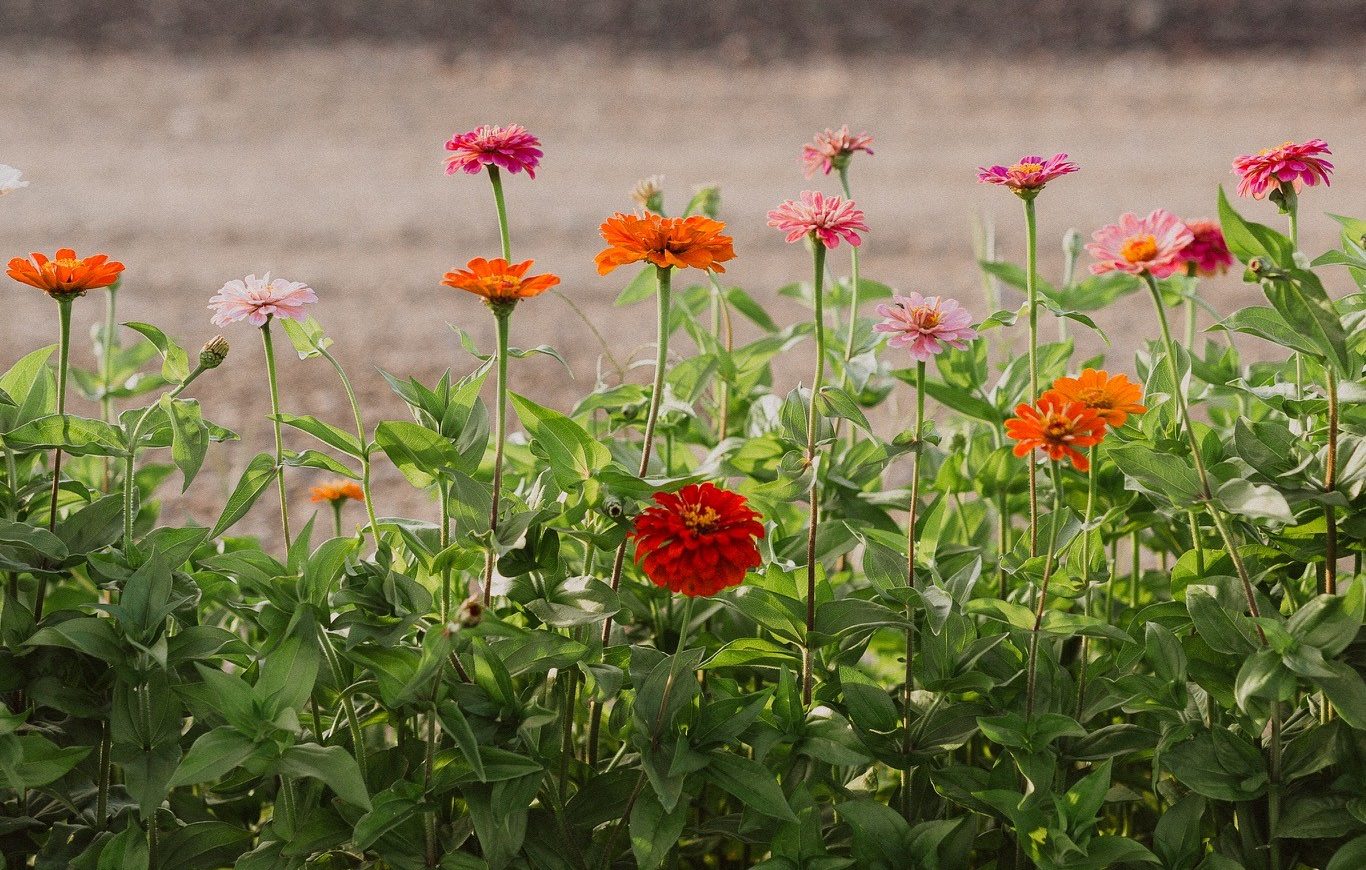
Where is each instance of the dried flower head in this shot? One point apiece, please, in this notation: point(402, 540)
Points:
point(214, 351)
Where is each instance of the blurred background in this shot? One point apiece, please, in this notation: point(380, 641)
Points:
point(199, 141)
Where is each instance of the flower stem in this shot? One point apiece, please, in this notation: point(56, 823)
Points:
point(913, 510)
point(496, 179)
point(503, 316)
point(727, 329)
point(337, 518)
point(63, 367)
point(1330, 471)
point(1032, 292)
point(107, 346)
point(343, 689)
point(853, 288)
point(663, 282)
point(279, 439)
point(1032, 675)
point(812, 421)
point(444, 489)
point(363, 441)
point(1086, 576)
point(130, 459)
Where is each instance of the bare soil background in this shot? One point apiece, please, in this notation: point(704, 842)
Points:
point(324, 165)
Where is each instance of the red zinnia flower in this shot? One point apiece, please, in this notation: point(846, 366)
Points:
point(1207, 251)
point(698, 540)
point(1057, 428)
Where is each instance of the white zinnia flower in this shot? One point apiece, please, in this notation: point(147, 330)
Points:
point(10, 179)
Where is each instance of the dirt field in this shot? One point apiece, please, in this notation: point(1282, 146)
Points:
point(325, 166)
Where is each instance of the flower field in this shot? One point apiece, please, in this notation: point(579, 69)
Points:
point(1063, 612)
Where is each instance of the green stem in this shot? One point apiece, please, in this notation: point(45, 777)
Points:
point(444, 490)
point(1330, 471)
point(663, 284)
point(1197, 543)
point(1032, 674)
point(503, 316)
point(1135, 568)
point(1086, 576)
point(130, 458)
point(102, 786)
point(337, 518)
point(853, 288)
point(495, 178)
point(1032, 292)
point(63, 367)
point(913, 510)
point(279, 438)
point(344, 691)
point(812, 421)
point(363, 441)
point(107, 347)
point(724, 328)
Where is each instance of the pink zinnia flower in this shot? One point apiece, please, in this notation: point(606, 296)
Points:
point(1028, 176)
point(832, 149)
point(256, 300)
point(1288, 163)
point(1152, 244)
point(926, 325)
point(1207, 251)
point(828, 217)
point(510, 147)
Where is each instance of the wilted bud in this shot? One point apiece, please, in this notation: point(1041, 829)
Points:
point(707, 200)
point(213, 353)
point(471, 612)
point(649, 193)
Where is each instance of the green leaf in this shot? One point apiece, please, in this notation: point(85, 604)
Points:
point(203, 844)
point(189, 436)
point(839, 403)
point(655, 831)
point(1303, 302)
point(1165, 475)
point(1248, 240)
point(77, 436)
point(325, 432)
point(212, 756)
point(642, 287)
point(751, 782)
point(175, 366)
point(1267, 323)
point(1219, 765)
point(87, 634)
point(574, 456)
point(308, 337)
point(1256, 501)
point(331, 764)
point(259, 474)
point(419, 453)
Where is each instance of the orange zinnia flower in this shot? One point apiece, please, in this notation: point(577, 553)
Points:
point(1058, 428)
point(499, 281)
point(695, 242)
point(337, 491)
point(1112, 398)
point(65, 276)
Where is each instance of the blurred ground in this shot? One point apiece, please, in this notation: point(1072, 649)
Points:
point(324, 165)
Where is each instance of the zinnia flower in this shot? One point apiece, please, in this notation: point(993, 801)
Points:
point(695, 242)
point(1207, 253)
point(65, 276)
point(1298, 165)
point(1112, 397)
point(831, 149)
point(925, 325)
point(649, 193)
point(256, 300)
point(1027, 177)
point(1151, 244)
point(1058, 428)
point(698, 540)
point(499, 281)
point(337, 491)
point(11, 179)
point(828, 217)
point(510, 147)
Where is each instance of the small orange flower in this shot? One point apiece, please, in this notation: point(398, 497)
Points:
point(65, 276)
point(695, 242)
point(499, 281)
point(337, 492)
point(1112, 398)
point(1056, 427)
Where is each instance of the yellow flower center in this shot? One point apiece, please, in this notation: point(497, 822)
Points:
point(1283, 145)
point(926, 317)
point(699, 519)
point(1025, 168)
point(1094, 397)
point(1057, 429)
point(1139, 249)
point(68, 263)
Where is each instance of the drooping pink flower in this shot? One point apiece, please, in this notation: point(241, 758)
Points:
point(510, 147)
point(832, 148)
point(1151, 244)
point(256, 300)
point(829, 217)
point(1207, 252)
point(1298, 165)
point(925, 325)
point(1027, 176)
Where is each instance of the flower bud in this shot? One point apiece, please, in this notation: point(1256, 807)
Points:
point(649, 193)
point(1072, 244)
point(708, 200)
point(213, 353)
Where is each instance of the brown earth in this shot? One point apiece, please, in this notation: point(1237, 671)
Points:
point(324, 165)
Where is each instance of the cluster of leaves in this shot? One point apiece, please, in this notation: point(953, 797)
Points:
point(188, 698)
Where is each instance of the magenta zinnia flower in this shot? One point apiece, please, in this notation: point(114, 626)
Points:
point(1288, 163)
point(828, 217)
point(510, 147)
point(1207, 251)
point(256, 300)
point(926, 325)
point(1152, 244)
point(1028, 176)
point(833, 148)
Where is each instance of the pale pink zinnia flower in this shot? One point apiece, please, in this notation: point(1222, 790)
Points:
point(256, 300)
point(925, 325)
point(1298, 165)
point(832, 149)
point(1207, 253)
point(828, 217)
point(1029, 175)
point(1151, 244)
point(510, 147)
